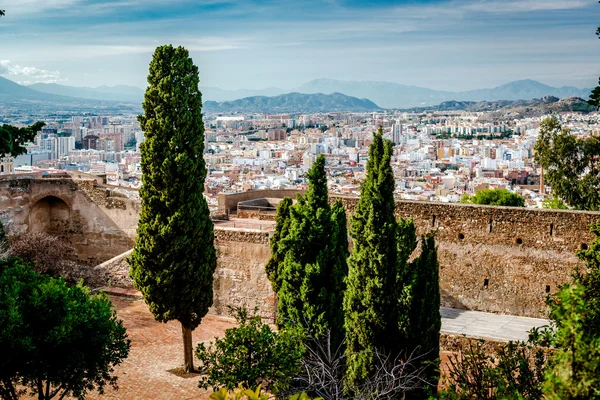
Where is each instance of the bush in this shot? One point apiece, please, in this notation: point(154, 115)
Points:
point(55, 340)
point(495, 197)
point(514, 371)
point(251, 354)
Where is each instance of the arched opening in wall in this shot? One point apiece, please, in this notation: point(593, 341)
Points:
point(433, 221)
point(1, 169)
point(50, 215)
point(519, 241)
point(583, 246)
point(461, 236)
point(551, 229)
point(490, 226)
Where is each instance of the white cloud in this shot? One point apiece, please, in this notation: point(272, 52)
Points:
point(508, 6)
point(28, 75)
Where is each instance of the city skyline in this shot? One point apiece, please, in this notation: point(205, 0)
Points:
point(446, 45)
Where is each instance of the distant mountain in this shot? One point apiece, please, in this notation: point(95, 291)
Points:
point(13, 91)
point(516, 108)
point(393, 95)
point(220, 95)
point(386, 94)
point(130, 94)
point(293, 103)
point(17, 97)
point(523, 90)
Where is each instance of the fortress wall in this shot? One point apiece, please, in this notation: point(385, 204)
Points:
point(499, 259)
point(97, 225)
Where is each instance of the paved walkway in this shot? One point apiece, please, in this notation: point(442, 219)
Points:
point(487, 325)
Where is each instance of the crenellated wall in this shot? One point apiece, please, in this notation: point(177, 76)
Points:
point(497, 259)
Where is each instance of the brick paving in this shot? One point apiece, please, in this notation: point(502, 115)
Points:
point(155, 349)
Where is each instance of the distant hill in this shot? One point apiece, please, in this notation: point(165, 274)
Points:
point(21, 98)
point(517, 108)
point(293, 103)
point(122, 93)
point(10, 90)
point(393, 95)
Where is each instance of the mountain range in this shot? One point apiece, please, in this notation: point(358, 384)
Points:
point(384, 94)
point(292, 103)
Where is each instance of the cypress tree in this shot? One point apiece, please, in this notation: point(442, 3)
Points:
point(310, 253)
point(174, 258)
point(381, 248)
point(278, 250)
point(420, 311)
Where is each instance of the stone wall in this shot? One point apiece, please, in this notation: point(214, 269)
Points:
point(240, 278)
point(230, 201)
point(82, 212)
point(499, 259)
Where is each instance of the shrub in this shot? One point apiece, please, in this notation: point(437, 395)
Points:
point(251, 354)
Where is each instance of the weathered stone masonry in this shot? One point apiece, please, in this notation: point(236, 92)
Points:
point(496, 259)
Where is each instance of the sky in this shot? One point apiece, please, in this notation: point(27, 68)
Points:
point(440, 44)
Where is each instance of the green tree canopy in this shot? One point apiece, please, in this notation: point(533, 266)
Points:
point(308, 262)
point(575, 365)
point(55, 340)
point(571, 165)
point(495, 197)
point(371, 298)
point(12, 139)
point(595, 96)
point(174, 258)
point(251, 354)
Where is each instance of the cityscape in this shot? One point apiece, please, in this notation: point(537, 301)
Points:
point(300, 200)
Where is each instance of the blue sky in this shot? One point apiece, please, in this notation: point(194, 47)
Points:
point(441, 44)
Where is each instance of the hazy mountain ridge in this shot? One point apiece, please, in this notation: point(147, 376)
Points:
point(393, 95)
point(385, 94)
point(293, 103)
point(535, 107)
point(120, 93)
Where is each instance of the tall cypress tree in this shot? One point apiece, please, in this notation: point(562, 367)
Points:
point(420, 319)
point(174, 258)
point(310, 248)
point(381, 248)
point(278, 249)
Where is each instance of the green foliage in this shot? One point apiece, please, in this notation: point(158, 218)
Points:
point(12, 139)
point(571, 164)
point(174, 258)
point(589, 279)
point(251, 354)
point(224, 394)
point(55, 340)
point(371, 315)
point(420, 319)
point(554, 203)
point(495, 197)
point(278, 246)
point(595, 95)
point(515, 371)
point(308, 262)
point(575, 370)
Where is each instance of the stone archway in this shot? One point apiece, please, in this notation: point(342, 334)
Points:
point(50, 215)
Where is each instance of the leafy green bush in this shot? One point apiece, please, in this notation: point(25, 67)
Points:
point(251, 354)
point(514, 371)
point(495, 197)
point(55, 340)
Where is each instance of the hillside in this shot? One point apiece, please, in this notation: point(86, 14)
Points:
point(121, 93)
point(293, 103)
point(393, 95)
point(522, 108)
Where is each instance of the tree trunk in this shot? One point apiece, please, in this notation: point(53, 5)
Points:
point(188, 353)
